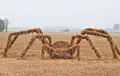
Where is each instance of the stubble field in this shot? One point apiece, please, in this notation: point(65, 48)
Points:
point(33, 65)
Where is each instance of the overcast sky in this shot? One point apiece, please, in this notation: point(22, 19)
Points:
point(73, 13)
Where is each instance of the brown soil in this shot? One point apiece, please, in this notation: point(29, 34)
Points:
point(33, 65)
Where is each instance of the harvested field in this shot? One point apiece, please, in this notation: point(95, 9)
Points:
point(33, 65)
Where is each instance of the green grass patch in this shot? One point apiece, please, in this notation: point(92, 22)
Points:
point(97, 62)
point(102, 51)
point(115, 37)
point(106, 62)
point(90, 62)
point(78, 59)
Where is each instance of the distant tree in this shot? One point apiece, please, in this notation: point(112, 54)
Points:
point(116, 26)
point(66, 30)
point(2, 25)
point(6, 23)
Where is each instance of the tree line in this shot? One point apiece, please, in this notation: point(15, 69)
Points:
point(4, 25)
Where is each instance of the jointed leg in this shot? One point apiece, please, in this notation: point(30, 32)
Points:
point(73, 48)
point(96, 30)
point(33, 39)
point(88, 39)
point(105, 34)
point(118, 51)
point(15, 36)
point(46, 48)
point(9, 43)
point(113, 47)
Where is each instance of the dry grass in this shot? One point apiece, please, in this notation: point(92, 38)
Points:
point(89, 64)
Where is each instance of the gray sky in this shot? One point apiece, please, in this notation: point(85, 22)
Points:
point(74, 13)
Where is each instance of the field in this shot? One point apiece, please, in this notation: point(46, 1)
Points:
point(33, 65)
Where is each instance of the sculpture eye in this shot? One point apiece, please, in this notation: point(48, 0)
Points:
point(65, 51)
point(57, 51)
